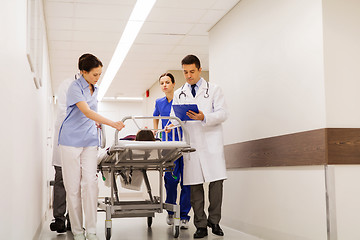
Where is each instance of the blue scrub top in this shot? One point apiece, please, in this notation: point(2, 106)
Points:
point(77, 130)
point(163, 108)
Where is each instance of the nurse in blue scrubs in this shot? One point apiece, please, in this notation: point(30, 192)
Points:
point(78, 140)
point(172, 179)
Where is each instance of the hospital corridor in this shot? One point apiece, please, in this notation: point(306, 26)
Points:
point(180, 119)
point(136, 228)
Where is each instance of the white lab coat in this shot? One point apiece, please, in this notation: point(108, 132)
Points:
point(207, 163)
point(60, 116)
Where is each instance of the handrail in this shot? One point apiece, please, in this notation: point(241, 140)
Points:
point(102, 136)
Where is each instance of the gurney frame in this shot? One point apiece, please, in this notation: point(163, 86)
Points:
point(122, 158)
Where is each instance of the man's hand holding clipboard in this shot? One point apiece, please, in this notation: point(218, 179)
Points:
point(195, 116)
point(188, 112)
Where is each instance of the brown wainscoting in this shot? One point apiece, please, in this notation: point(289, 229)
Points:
point(315, 147)
point(343, 145)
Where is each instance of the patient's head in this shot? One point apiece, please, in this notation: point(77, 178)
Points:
point(145, 135)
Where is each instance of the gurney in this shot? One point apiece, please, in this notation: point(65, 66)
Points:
point(141, 156)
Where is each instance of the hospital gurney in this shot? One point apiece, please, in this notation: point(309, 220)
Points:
point(143, 156)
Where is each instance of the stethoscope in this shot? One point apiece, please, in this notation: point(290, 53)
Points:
point(206, 95)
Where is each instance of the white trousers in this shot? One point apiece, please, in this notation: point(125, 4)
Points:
point(79, 166)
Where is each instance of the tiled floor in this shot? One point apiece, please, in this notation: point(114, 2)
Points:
point(136, 229)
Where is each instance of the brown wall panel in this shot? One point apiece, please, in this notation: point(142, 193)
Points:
point(343, 145)
point(316, 147)
point(304, 148)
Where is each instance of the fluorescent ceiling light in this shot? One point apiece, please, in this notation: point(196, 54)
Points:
point(137, 18)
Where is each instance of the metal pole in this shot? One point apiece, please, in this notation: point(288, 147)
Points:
point(330, 203)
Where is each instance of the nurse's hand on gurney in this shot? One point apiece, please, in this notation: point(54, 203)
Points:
point(118, 125)
point(85, 109)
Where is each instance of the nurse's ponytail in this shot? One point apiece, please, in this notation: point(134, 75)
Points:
point(88, 61)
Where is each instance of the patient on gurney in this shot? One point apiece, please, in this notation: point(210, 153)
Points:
point(145, 135)
point(130, 179)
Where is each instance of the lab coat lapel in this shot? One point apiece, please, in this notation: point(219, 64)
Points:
point(202, 89)
point(187, 91)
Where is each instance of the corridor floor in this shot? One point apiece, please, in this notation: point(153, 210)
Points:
point(136, 229)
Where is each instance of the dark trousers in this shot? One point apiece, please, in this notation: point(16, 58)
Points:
point(198, 200)
point(59, 201)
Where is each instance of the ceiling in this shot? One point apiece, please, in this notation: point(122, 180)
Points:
point(173, 29)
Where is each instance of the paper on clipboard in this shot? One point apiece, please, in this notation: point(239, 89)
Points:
point(181, 109)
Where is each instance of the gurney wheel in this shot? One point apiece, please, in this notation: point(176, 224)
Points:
point(149, 221)
point(176, 230)
point(108, 233)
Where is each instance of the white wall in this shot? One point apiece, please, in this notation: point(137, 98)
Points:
point(342, 58)
point(347, 198)
point(25, 128)
point(341, 64)
point(268, 58)
point(276, 203)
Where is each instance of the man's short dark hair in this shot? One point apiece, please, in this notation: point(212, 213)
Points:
point(191, 59)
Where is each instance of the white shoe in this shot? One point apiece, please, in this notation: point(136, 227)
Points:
point(91, 236)
point(170, 219)
point(184, 224)
point(79, 237)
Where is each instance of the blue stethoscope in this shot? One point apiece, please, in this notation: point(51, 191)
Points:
point(206, 95)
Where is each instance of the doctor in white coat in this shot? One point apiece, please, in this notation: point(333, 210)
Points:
point(207, 163)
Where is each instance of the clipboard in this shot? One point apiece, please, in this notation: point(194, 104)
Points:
point(181, 109)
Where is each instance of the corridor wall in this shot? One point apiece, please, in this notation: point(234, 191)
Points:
point(268, 58)
point(342, 72)
point(26, 129)
point(291, 67)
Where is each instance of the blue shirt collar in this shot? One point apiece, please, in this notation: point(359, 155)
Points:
point(84, 83)
point(198, 84)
